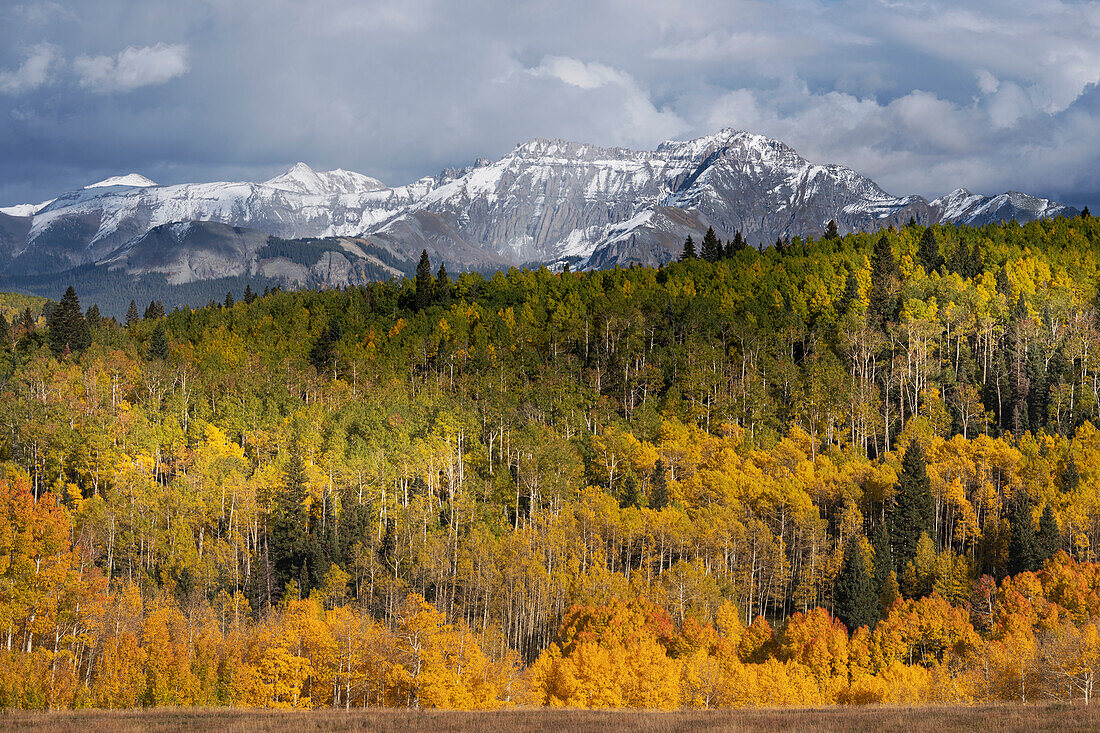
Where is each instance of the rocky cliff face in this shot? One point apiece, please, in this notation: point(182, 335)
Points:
point(546, 202)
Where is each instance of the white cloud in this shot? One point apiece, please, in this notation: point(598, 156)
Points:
point(34, 72)
point(622, 107)
point(131, 68)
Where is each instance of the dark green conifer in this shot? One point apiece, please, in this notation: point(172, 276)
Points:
point(712, 248)
point(689, 249)
point(290, 531)
point(229, 302)
point(856, 604)
point(928, 252)
point(1049, 540)
point(158, 342)
point(132, 315)
point(69, 331)
point(93, 317)
point(913, 508)
point(1023, 555)
point(5, 329)
point(882, 306)
point(425, 286)
point(442, 286)
point(885, 581)
point(249, 296)
point(323, 355)
point(736, 245)
point(831, 231)
point(658, 491)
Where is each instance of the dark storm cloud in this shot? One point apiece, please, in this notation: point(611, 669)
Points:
point(922, 96)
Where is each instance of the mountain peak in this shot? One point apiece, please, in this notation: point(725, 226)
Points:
point(132, 180)
point(300, 178)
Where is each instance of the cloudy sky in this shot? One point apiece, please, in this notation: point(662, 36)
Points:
point(922, 95)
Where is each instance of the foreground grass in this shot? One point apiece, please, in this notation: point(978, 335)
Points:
point(1032, 718)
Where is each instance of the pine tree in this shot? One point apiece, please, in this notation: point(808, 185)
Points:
point(975, 264)
point(913, 508)
point(1070, 476)
point(736, 245)
point(290, 532)
point(132, 315)
point(712, 248)
point(658, 492)
point(689, 249)
point(249, 296)
point(1085, 213)
point(26, 321)
point(425, 286)
point(158, 342)
point(912, 222)
point(229, 302)
point(856, 604)
point(928, 252)
point(69, 331)
point(154, 311)
point(323, 355)
point(1049, 540)
point(882, 306)
point(1023, 555)
point(831, 231)
point(93, 317)
point(442, 286)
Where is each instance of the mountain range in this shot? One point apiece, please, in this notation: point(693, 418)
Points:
point(546, 202)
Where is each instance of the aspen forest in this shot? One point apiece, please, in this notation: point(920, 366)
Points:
point(848, 470)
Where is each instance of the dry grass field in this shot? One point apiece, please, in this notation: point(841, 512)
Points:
point(987, 718)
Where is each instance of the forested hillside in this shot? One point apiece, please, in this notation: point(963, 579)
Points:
point(855, 469)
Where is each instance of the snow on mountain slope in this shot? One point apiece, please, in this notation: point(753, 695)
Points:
point(25, 209)
point(546, 201)
point(963, 207)
point(304, 180)
point(132, 180)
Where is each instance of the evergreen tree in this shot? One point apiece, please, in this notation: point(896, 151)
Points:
point(712, 248)
point(425, 287)
point(26, 321)
point(736, 245)
point(132, 315)
point(882, 306)
point(1023, 554)
point(975, 265)
point(229, 302)
point(928, 252)
point(158, 342)
point(856, 604)
point(93, 317)
point(289, 538)
point(1070, 476)
point(5, 329)
point(912, 222)
point(1085, 213)
point(69, 331)
point(323, 355)
point(885, 580)
point(249, 296)
point(831, 231)
point(1049, 540)
point(689, 249)
point(442, 286)
point(913, 508)
point(658, 492)
point(154, 310)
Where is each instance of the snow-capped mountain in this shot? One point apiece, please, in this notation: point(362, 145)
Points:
point(546, 201)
